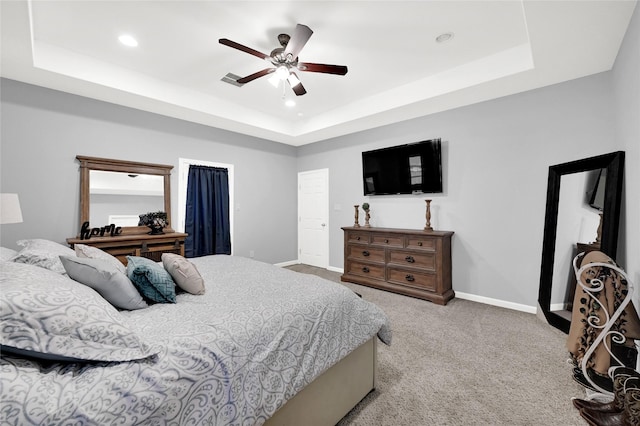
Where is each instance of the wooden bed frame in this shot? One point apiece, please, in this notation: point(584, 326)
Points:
point(334, 393)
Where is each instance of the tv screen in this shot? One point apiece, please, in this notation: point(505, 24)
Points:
point(405, 169)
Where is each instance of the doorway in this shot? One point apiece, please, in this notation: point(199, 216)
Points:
point(313, 218)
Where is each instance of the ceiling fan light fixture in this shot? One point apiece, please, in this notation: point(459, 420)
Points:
point(282, 72)
point(274, 80)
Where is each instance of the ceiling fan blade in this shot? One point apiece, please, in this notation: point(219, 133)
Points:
point(300, 36)
point(298, 88)
point(323, 68)
point(255, 75)
point(246, 49)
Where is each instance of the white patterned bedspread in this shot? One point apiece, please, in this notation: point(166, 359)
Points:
point(232, 356)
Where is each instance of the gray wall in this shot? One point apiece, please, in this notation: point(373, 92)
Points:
point(496, 159)
point(43, 130)
point(626, 90)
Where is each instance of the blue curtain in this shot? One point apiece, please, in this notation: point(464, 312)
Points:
point(207, 215)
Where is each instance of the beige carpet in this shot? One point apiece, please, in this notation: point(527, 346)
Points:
point(465, 363)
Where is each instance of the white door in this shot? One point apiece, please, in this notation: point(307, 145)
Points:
point(313, 217)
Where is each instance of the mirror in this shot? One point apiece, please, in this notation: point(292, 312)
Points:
point(116, 191)
point(582, 213)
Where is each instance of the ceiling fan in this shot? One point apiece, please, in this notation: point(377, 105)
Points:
point(284, 60)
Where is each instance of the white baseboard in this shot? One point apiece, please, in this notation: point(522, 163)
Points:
point(496, 302)
point(460, 295)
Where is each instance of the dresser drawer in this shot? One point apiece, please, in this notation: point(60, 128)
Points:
point(363, 269)
point(357, 237)
point(419, 242)
point(410, 278)
point(362, 252)
point(388, 240)
point(414, 259)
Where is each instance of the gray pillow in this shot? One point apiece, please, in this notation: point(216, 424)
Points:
point(102, 276)
point(83, 250)
point(50, 316)
point(7, 254)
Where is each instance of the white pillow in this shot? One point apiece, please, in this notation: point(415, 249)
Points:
point(43, 253)
point(49, 316)
point(106, 279)
point(83, 250)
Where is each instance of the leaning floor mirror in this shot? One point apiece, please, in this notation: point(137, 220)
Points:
point(582, 214)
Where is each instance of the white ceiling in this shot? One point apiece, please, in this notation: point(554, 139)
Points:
point(397, 70)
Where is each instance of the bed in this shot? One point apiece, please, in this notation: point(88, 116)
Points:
point(262, 345)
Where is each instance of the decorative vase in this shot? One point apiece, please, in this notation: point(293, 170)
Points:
point(367, 216)
point(155, 229)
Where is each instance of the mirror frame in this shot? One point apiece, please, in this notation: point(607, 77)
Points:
point(133, 167)
point(614, 165)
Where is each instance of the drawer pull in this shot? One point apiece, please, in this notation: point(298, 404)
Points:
point(409, 278)
point(410, 259)
point(365, 253)
point(386, 241)
point(419, 243)
point(365, 269)
point(358, 238)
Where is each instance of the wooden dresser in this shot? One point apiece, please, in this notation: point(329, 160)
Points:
point(410, 262)
point(149, 246)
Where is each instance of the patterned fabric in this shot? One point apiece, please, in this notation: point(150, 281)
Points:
point(183, 272)
point(106, 279)
point(83, 250)
point(47, 315)
point(43, 253)
point(7, 254)
point(151, 279)
point(231, 356)
point(585, 308)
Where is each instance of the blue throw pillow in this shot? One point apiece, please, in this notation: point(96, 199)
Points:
point(151, 279)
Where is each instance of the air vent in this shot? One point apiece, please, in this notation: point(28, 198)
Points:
point(232, 79)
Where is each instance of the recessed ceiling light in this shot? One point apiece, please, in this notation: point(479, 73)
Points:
point(128, 40)
point(444, 37)
point(290, 103)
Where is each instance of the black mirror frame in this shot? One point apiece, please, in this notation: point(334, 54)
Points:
point(614, 164)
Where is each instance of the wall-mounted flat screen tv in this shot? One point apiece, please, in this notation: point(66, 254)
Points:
point(414, 168)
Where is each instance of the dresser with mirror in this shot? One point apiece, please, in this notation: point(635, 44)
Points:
point(116, 192)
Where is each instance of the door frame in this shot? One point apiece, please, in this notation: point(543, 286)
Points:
point(183, 178)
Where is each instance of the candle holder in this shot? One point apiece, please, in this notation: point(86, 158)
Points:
point(357, 223)
point(428, 216)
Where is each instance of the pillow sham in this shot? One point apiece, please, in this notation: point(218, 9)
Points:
point(83, 250)
point(151, 279)
point(49, 316)
point(184, 273)
point(106, 279)
point(43, 253)
point(7, 254)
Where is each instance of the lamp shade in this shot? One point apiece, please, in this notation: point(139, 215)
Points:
point(10, 209)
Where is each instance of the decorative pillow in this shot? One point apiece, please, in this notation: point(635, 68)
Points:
point(83, 250)
point(43, 253)
point(49, 316)
point(106, 279)
point(7, 254)
point(151, 279)
point(184, 273)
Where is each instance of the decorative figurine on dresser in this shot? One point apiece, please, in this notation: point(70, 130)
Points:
point(143, 182)
point(411, 262)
